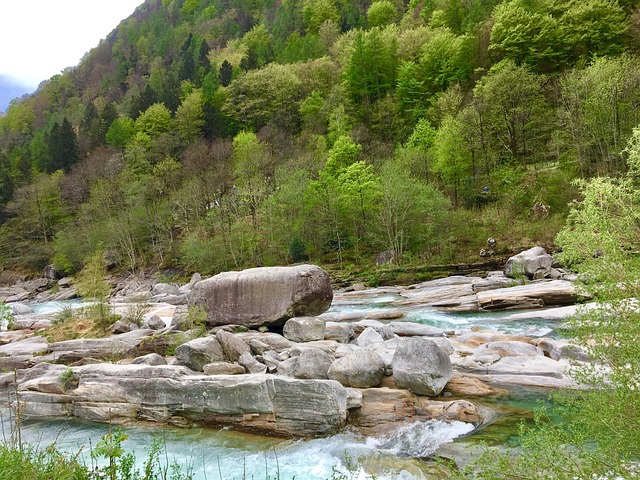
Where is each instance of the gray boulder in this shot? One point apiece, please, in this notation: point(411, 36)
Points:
point(155, 323)
point(151, 359)
point(196, 353)
point(304, 329)
point(368, 337)
point(420, 366)
point(20, 309)
point(263, 296)
point(232, 346)
point(534, 263)
point(360, 369)
point(250, 364)
point(312, 363)
point(339, 332)
point(164, 289)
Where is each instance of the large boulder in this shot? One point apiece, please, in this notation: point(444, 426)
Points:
point(312, 363)
point(263, 296)
point(534, 263)
point(420, 366)
point(360, 369)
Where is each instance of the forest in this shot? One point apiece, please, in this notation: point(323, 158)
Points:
point(213, 135)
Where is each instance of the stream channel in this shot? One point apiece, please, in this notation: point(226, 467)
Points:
point(226, 454)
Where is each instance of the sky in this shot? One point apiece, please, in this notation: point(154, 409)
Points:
point(39, 38)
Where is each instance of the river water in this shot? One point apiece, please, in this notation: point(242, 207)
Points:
point(226, 454)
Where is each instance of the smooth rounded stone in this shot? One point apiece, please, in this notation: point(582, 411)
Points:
point(250, 364)
point(532, 263)
point(232, 346)
point(65, 282)
point(354, 399)
point(327, 346)
point(345, 349)
point(120, 327)
point(420, 366)
point(164, 289)
point(196, 353)
point(263, 296)
point(304, 329)
point(154, 323)
point(20, 309)
point(312, 363)
point(465, 386)
point(386, 350)
point(360, 369)
point(455, 410)
point(150, 359)
point(410, 329)
point(368, 337)
point(223, 368)
point(339, 332)
point(263, 342)
point(562, 349)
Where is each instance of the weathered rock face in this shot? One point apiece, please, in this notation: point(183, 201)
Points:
point(263, 296)
point(121, 393)
point(534, 263)
point(312, 363)
point(360, 369)
point(420, 366)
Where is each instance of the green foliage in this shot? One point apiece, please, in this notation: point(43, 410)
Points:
point(67, 378)
point(154, 120)
point(120, 132)
point(6, 316)
point(381, 13)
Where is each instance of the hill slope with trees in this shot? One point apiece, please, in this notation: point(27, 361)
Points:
point(220, 134)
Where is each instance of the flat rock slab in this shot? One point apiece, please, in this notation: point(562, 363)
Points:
point(120, 393)
point(263, 296)
point(554, 292)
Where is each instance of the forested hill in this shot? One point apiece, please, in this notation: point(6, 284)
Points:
point(218, 134)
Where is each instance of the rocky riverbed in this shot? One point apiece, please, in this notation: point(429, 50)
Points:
point(298, 359)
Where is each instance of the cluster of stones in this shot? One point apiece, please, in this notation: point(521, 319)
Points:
point(273, 361)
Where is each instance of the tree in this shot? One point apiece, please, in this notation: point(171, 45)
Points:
point(154, 120)
point(120, 133)
point(226, 73)
point(62, 147)
point(381, 13)
point(190, 116)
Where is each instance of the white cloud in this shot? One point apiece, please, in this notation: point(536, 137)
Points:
point(39, 38)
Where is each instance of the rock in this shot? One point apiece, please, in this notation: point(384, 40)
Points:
point(123, 393)
point(171, 299)
point(382, 406)
point(420, 366)
point(271, 359)
point(232, 346)
point(68, 293)
point(120, 327)
point(196, 353)
point(356, 287)
point(385, 314)
point(304, 329)
point(552, 292)
point(263, 296)
point(465, 386)
point(312, 363)
point(456, 410)
point(535, 262)
point(28, 346)
point(223, 368)
point(339, 332)
point(17, 298)
point(354, 399)
point(50, 273)
point(154, 323)
point(164, 289)
point(410, 329)
point(361, 325)
point(150, 359)
point(369, 336)
point(263, 342)
point(250, 364)
point(65, 282)
point(360, 369)
point(20, 309)
point(509, 349)
point(562, 349)
point(185, 289)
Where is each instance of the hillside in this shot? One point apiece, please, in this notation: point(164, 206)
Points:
point(218, 134)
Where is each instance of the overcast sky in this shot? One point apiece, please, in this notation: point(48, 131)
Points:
point(39, 38)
